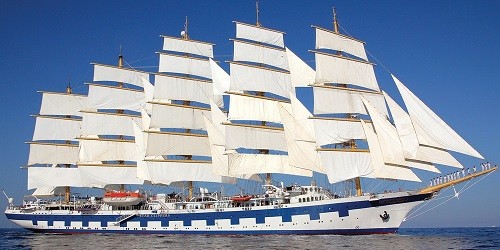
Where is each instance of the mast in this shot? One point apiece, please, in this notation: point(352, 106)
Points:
point(120, 111)
point(53, 149)
point(185, 36)
point(260, 93)
point(261, 79)
point(178, 147)
point(332, 96)
point(257, 23)
point(335, 23)
point(351, 143)
point(67, 189)
point(107, 139)
point(120, 65)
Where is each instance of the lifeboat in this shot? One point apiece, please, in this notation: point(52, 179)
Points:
point(241, 198)
point(123, 198)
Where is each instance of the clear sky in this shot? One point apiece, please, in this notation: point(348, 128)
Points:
point(446, 52)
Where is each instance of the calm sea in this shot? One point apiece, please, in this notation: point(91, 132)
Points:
point(442, 238)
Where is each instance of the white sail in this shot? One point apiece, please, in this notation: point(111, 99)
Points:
point(141, 142)
point(341, 165)
point(170, 143)
point(393, 172)
point(334, 100)
point(98, 175)
point(254, 78)
point(185, 65)
point(303, 125)
point(188, 46)
point(263, 163)
point(166, 172)
point(411, 148)
point(40, 177)
point(254, 137)
point(436, 155)
point(62, 104)
point(48, 153)
point(177, 116)
point(432, 130)
point(333, 131)
point(221, 82)
point(123, 75)
point(380, 169)
point(109, 97)
point(48, 192)
point(259, 34)
point(392, 150)
point(220, 161)
point(56, 128)
point(217, 134)
point(181, 88)
point(404, 128)
point(301, 153)
point(92, 149)
point(301, 74)
point(337, 69)
point(103, 123)
point(148, 93)
point(246, 107)
point(326, 39)
point(422, 166)
point(256, 53)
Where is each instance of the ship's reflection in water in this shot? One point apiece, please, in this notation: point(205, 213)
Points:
point(448, 238)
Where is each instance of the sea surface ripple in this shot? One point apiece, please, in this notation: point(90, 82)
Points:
point(428, 238)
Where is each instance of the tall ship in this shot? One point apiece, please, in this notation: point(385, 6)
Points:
point(174, 128)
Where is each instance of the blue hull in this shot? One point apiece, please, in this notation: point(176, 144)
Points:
point(149, 222)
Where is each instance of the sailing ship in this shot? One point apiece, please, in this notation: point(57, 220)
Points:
point(127, 131)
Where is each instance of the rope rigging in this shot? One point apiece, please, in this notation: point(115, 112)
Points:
point(448, 198)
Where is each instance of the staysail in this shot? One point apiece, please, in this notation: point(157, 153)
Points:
point(413, 151)
point(431, 129)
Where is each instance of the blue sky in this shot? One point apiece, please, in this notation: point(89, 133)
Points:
point(446, 52)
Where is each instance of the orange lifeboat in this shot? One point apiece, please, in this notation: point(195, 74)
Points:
point(123, 198)
point(241, 198)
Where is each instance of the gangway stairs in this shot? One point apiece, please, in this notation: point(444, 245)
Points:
point(125, 217)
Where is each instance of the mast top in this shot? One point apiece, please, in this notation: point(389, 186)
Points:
point(335, 22)
point(68, 89)
point(120, 58)
point(257, 9)
point(184, 33)
point(120, 64)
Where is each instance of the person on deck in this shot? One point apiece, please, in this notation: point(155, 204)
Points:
point(474, 168)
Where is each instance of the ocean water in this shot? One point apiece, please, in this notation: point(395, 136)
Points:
point(428, 238)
